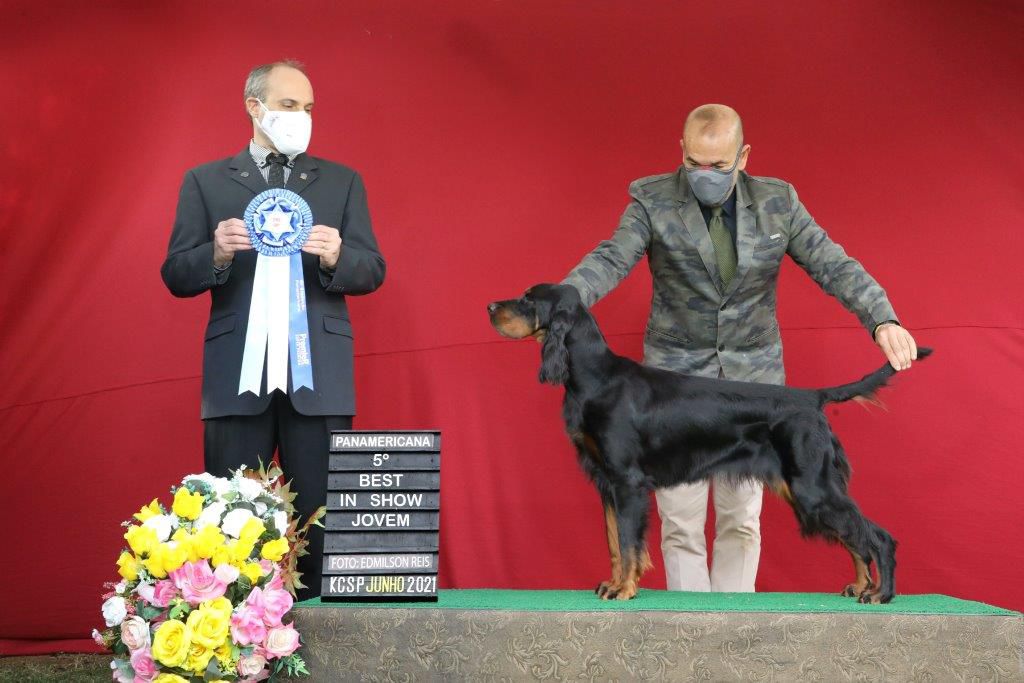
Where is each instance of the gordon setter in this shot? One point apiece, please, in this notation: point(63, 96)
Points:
point(637, 428)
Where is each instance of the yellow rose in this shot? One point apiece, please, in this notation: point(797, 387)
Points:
point(198, 658)
point(275, 550)
point(209, 628)
point(225, 657)
point(221, 556)
point(155, 566)
point(222, 605)
point(174, 556)
point(169, 678)
point(252, 530)
point(165, 558)
point(187, 505)
point(241, 551)
point(186, 541)
point(148, 511)
point(252, 570)
point(208, 540)
point(171, 643)
point(128, 566)
point(142, 539)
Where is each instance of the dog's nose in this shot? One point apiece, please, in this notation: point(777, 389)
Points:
point(491, 308)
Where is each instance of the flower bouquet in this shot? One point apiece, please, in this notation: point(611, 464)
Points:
point(206, 585)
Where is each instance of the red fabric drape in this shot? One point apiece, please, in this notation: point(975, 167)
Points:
point(497, 140)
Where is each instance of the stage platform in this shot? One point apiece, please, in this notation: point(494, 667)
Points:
point(506, 635)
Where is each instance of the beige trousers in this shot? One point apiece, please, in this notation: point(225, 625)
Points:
point(683, 510)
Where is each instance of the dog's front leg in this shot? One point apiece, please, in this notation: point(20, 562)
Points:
point(611, 527)
point(631, 523)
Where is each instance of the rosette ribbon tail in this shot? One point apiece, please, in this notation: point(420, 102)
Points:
point(255, 349)
point(278, 328)
point(298, 328)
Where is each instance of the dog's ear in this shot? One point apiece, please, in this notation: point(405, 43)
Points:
point(554, 357)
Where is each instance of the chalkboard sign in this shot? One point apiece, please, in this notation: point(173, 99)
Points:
point(383, 515)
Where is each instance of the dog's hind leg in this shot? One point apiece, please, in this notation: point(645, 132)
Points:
point(836, 516)
point(884, 553)
point(611, 527)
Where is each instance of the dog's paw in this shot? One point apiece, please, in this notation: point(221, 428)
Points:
point(604, 589)
point(625, 592)
point(853, 590)
point(873, 597)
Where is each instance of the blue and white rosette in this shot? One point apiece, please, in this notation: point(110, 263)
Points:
point(279, 223)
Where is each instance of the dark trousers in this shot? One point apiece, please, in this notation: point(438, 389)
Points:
point(302, 442)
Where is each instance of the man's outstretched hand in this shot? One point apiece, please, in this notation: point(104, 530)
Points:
point(897, 344)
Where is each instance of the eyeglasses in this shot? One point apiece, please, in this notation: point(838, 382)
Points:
point(724, 171)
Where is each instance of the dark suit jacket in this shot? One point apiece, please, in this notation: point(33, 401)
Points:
point(222, 189)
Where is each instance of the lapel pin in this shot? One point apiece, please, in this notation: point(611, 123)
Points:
point(302, 176)
point(245, 174)
point(775, 236)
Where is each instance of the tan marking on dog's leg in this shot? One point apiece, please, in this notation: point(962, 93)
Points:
point(862, 579)
point(611, 527)
point(630, 574)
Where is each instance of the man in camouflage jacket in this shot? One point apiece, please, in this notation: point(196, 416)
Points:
point(700, 325)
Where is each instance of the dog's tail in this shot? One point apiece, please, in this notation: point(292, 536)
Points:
point(866, 389)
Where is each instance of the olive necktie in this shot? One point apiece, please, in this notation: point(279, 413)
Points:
point(725, 251)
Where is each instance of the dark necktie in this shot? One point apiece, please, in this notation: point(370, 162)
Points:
point(725, 251)
point(275, 174)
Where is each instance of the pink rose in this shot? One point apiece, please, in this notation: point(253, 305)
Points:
point(253, 667)
point(159, 595)
point(276, 583)
point(255, 601)
point(135, 633)
point(227, 573)
point(145, 667)
point(281, 641)
point(197, 582)
point(247, 626)
point(275, 604)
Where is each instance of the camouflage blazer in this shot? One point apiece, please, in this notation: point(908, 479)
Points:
point(696, 325)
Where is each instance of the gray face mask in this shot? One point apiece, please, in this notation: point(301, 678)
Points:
point(712, 186)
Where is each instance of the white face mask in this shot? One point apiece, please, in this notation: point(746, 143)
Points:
point(288, 130)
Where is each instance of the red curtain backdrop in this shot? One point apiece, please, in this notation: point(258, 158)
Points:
point(497, 140)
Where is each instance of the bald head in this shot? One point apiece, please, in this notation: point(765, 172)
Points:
point(713, 144)
point(715, 122)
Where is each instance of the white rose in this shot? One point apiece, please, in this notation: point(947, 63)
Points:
point(234, 521)
point(249, 489)
point(135, 633)
point(281, 521)
point(220, 485)
point(121, 586)
point(211, 514)
point(114, 611)
point(251, 665)
point(162, 525)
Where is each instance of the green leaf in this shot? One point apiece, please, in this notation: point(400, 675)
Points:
point(179, 609)
point(149, 612)
point(213, 672)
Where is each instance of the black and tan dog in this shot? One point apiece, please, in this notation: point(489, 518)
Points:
point(638, 428)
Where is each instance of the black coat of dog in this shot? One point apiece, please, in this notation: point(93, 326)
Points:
point(638, 428)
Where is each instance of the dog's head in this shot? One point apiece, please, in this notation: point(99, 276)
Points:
point(545, 313)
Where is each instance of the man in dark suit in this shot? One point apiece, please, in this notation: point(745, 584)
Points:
point(210, 250)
